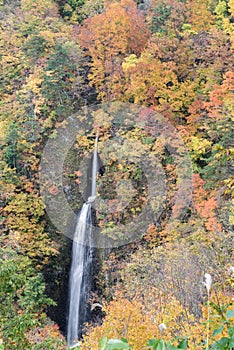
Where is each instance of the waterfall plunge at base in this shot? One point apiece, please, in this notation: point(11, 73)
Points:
point(82, 257)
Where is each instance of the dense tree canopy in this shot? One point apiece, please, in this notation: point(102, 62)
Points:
point(171, 57)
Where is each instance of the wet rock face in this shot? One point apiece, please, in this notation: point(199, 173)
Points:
point(56, 276)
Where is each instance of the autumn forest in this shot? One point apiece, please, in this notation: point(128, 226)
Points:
point(157, 80)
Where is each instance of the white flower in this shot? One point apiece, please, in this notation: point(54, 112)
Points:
point(162, 327)
point(231, 271)
point(75, 345)
point(208, 282)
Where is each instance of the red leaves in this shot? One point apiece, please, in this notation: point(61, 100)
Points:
point(205, 206)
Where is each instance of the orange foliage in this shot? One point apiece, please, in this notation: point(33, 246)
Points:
point(53, 190)
point(221, 96)
point(109, 37)
point(196, 111)
point(199, 15)
point(204, 206)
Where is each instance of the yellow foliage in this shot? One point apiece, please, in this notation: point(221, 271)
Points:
point(26, 228)
point(129, 62)
point(49, 36)
point(124, 318)
point(38, 7)
point(199, 146)
point(231, 7)
point(34, 83)
point(138, 322)
point(221, 9)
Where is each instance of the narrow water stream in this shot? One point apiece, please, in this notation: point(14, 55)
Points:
point(82, 258)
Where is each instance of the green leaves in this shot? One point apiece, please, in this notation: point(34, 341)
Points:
point(21, 298)
point(160, 344)
point(113, 344)
point(217, 331)
point(157, 344)
point(62, 79)
point(161, 13)
point(103, 343)
point(183, 344)
point(11, 152)
point(225, 343)
point(34, 47)
point(222, 344)
point(230, 314)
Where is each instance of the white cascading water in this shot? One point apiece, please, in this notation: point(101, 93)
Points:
point(81, 260)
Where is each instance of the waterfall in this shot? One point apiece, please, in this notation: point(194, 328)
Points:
point(82, 257)
point(94, 168)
